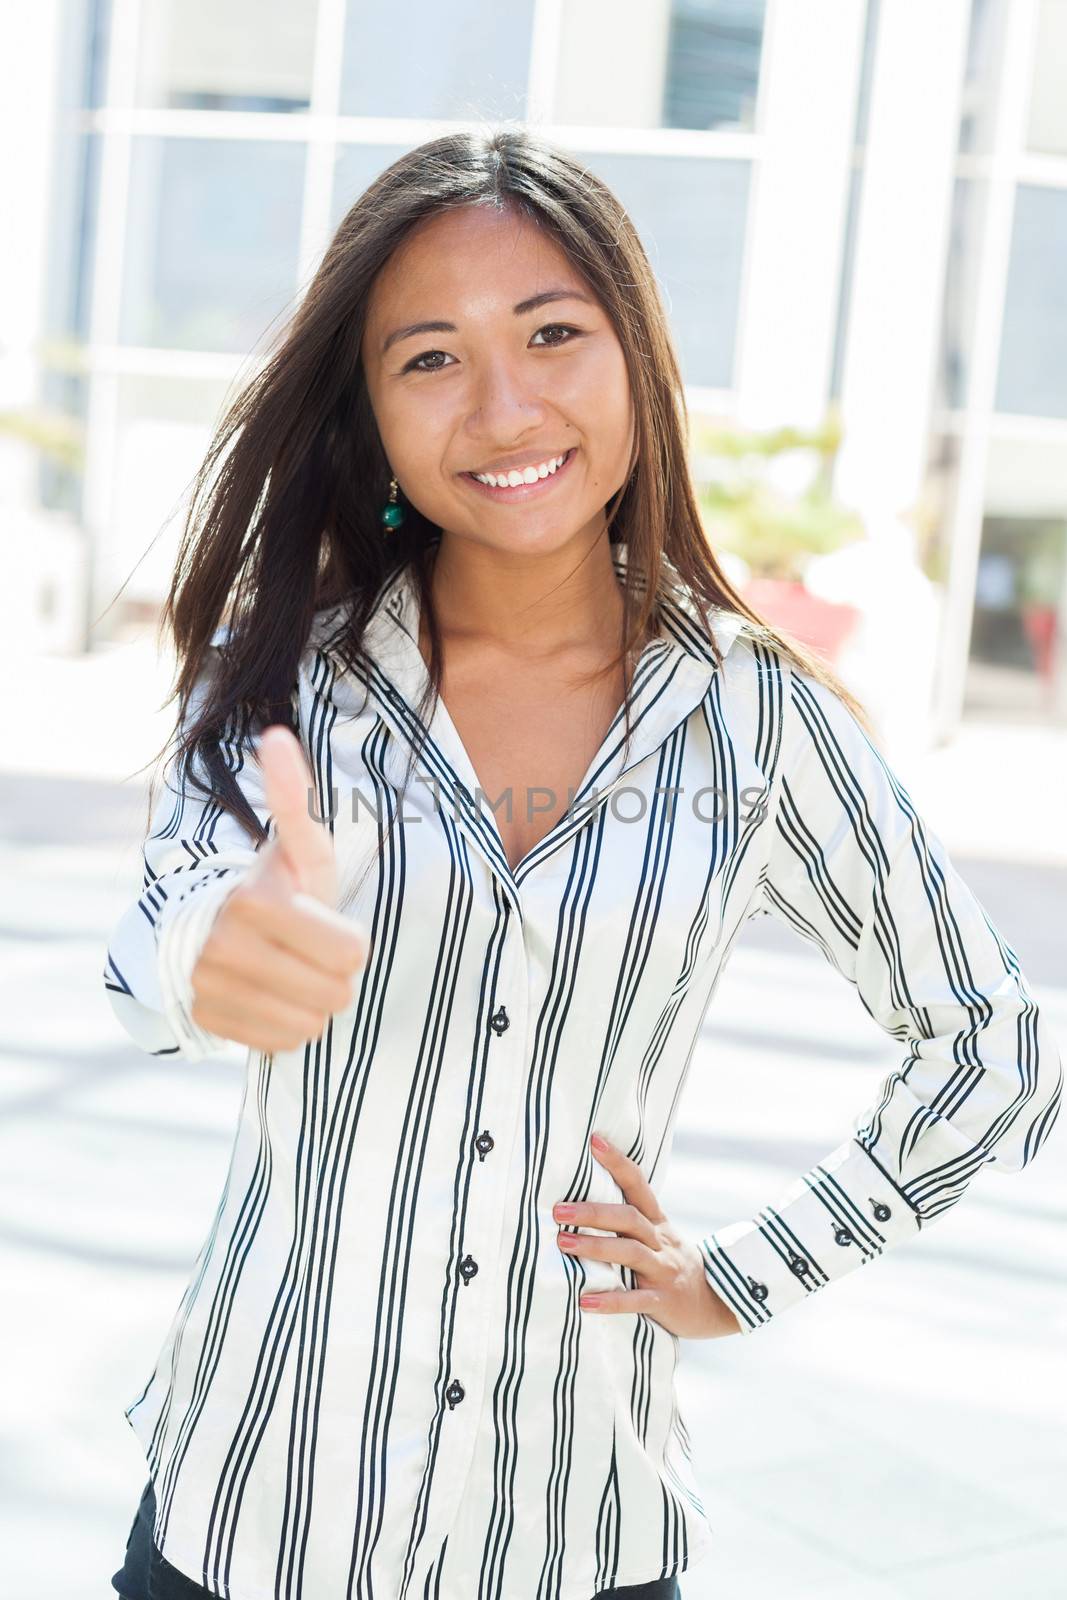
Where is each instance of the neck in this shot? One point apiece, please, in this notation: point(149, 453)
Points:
point(528, 605)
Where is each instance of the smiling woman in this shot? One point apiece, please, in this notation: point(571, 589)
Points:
point(498, 399)
point(429, 1343)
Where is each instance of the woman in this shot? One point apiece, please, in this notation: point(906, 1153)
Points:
point(531, 765)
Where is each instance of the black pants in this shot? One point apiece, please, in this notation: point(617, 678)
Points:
point(146, 1575)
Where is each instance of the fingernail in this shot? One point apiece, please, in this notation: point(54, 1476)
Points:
point(564, 1211)
point(587, 1304)
point(599, 1142)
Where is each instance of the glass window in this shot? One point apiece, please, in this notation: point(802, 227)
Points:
point(1032, 377)
point(61, 475)
point(863, 94)
point(97, 46)
point(981, 75)
point(959, 302)
point(848, 271)
point(690, 213)
point(1019, 628)
point(163, 429)
point(355, 168)
point(466, 61)
point(652, 63)
point(74, 177)
point(226, 55)
point(1018, 624)
point(855, 196)
point(212, 238)
point(82, 52)
point(72, 222)
point(66, 309)
point(713, 61)
point(1047, 131)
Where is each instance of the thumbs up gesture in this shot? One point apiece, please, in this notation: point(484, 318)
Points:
point(280, 958)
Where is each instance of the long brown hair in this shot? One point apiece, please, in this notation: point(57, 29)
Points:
point(284, 517)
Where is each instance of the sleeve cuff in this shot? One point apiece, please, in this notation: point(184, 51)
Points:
point(181, 930)
point(837, 1216)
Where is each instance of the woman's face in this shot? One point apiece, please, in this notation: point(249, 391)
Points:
point(504, 385)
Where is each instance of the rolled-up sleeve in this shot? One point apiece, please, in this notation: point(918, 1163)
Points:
point(194, 855)
point(852, 867)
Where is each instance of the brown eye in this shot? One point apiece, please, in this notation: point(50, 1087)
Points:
point(558, 327)
point(550, 327)
point(413, 364)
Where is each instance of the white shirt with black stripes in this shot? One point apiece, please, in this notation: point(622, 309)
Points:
point(379, 1379)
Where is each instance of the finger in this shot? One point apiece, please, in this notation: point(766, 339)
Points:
point(288, 787)
point(249, 1013)
point(620, 1251)
point(616, 1300)
point(629, 1177)
point(317, 933)
point(257, 965)
point(612, 1217)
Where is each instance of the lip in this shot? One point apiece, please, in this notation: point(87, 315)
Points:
point(522, 491)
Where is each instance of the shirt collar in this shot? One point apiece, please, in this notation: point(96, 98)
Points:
point(671, 676)
point(684, 622)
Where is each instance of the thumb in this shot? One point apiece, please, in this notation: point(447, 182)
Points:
point(306, 845)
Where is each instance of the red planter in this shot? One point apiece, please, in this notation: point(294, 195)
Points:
point(822, 625)
point(1039, 624)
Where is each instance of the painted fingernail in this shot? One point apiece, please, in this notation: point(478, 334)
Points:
point(588, 1304)
point(566, 1241)
point(599, 1142)
point(564, 1211)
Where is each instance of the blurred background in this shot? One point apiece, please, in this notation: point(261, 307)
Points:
point(857, 213)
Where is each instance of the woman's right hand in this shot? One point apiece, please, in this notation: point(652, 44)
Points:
point(280, 958)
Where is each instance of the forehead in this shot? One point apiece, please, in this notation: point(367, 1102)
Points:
point(474, 259)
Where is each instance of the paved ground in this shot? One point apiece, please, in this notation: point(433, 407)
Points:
point(900, 1437)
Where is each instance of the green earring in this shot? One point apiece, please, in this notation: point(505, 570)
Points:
point(392, 513)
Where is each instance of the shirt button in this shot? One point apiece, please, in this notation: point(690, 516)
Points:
point(842, 1235)
point(500, 1020)
point(454, 1393)
point(798, 1265)
point(757, 1290)
point(881, 1210)
point(468, 1266)
point(483, 1144)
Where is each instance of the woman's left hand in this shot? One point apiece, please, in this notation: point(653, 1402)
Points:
point(674, 1289)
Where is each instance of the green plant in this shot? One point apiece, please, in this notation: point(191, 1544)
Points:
point(52, 433)
point(775, 533)
point(1040, 574)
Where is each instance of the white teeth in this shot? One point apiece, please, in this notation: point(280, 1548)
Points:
point(508, 480)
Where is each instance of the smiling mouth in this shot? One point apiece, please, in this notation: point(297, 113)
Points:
point(523, 491)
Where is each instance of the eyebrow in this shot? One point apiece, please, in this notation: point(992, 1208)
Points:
point(450, 327)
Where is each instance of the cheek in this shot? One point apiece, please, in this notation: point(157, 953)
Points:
point(601, 406)
point(415, 443)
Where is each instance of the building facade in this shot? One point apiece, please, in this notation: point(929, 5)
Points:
point(858, 204)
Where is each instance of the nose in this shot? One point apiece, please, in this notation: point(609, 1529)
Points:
point(505, 401)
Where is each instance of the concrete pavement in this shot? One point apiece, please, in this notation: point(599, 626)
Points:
point(898, 1437)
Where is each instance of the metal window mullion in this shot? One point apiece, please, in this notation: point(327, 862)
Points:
point(317, 203)
point(994, 255)
point(102, 398)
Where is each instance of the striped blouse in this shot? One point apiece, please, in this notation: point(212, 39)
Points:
point(379, 1379)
